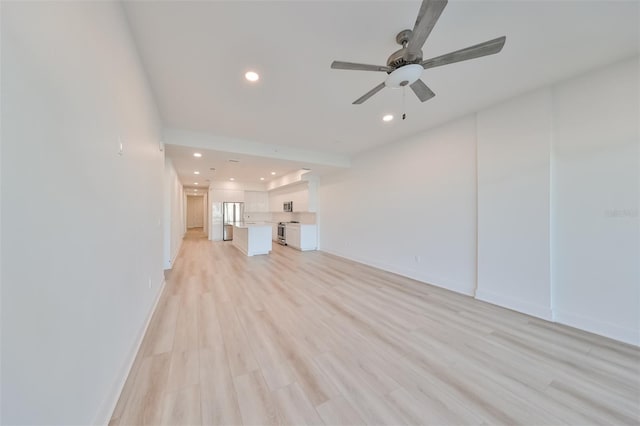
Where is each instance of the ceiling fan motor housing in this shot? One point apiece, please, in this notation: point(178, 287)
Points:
point(398, 58)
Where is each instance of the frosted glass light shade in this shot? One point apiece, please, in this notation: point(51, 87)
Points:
point(409, 73)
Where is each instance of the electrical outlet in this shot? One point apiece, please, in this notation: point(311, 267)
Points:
point(149, 282)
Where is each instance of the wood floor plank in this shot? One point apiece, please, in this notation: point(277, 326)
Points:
point(239, 353)
point(256, 404)
point(368, 403)
point(277, 375)
point(209, 332)
point(338, 412)
point(218, 401)
point(294, 408)
point(186, 335)
point(182, 407)
point(421, 411)
point(310, 338)
point(184, 370)
point(145, 402)
point(161, 333)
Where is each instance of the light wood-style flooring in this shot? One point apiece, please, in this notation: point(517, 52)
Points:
point(309, 338)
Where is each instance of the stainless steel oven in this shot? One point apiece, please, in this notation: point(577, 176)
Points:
point(282, 233)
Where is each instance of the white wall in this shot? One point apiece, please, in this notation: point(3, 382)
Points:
point(76, 259)
point(205, 212)
point(173, 214)
point(557, 204)
point(596, 236)
point(298, 193)
point(514, 151)
point(409, 207)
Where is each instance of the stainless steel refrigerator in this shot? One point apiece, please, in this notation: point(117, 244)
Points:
point(231, 213)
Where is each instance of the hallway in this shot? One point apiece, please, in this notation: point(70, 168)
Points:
point(309, 338)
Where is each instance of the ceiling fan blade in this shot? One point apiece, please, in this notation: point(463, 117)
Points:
point(428, 15)
point(369, 94)
point(483, 49)
point(339, 65)
point(422, 91)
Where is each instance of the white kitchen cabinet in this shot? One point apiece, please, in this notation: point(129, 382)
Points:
point(302, 237)
point(293, 235)
point(256, 201)
point(252, 239)
point(298, 194)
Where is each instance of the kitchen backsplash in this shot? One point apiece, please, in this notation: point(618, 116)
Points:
point(258, 216)
point(308, 218)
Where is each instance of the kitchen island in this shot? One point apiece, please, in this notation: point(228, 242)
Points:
point(252, 238)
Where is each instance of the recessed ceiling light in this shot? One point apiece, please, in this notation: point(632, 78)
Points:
point(387, 117)
point(195, 183)
point(252, 76)
point(196, 172)
point(273, 173)
point(261, 178)
point(232, 179)
point(197, 154)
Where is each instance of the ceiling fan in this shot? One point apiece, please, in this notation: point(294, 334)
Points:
point(404, 67)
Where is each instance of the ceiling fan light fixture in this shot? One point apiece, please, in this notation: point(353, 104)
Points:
point(404, 76)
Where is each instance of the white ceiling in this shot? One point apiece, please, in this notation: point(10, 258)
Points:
point(196, 54)
point(246, 172)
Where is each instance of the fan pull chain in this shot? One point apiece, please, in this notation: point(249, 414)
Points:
point(404, 93)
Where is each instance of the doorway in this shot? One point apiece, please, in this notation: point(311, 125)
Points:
point(195, 211)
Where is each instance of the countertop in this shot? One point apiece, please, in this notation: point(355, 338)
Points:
point(250, 224)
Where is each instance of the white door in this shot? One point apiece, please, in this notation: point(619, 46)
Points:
point(195, 208)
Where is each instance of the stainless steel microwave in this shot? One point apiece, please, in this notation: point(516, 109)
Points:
point(288, 206)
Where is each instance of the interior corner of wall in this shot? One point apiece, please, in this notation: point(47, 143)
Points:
point(525, 307)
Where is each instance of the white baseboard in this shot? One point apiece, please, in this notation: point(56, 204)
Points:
point(612, 331)
point(518, 305)
point(408, 273)
point(175, 255)
point(105, 412)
